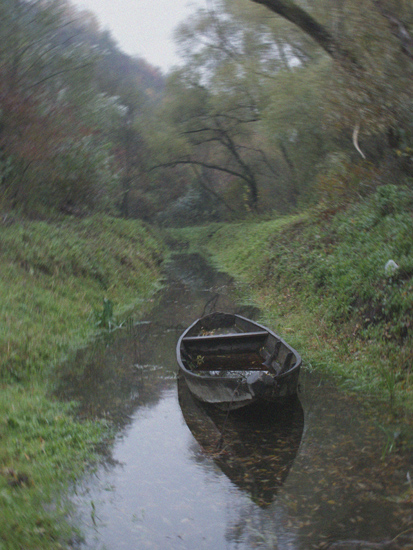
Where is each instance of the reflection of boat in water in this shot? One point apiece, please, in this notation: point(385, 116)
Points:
point(255, 446)
point(232, 361)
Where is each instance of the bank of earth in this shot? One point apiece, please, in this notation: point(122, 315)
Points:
point(60, 284)
point(337, 284)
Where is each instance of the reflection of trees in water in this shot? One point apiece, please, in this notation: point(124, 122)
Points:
point(195, 273)
point(196, 288)
point(211, 305)
point(131, 367)
point(108, 382)
point(259, 448)
point(339, 487)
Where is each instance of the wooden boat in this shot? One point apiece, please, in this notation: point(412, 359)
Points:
point(255, 447)
point(232, 361)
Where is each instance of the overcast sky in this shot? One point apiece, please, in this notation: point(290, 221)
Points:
point(143, 27)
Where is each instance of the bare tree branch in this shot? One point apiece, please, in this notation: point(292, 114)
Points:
point(175, 163)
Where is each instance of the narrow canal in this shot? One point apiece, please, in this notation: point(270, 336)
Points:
point(180, 476)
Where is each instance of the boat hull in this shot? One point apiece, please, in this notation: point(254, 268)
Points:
point(232, 362)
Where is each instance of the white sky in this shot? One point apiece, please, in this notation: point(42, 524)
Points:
point(143, 27)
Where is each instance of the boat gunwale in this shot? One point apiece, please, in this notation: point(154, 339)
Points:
point(228, 336)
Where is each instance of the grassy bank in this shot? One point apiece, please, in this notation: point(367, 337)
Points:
point(320, 280)
point(58, 283)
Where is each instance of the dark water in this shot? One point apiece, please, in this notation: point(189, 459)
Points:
point(182, 476)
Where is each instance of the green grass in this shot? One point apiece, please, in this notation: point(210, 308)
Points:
point(320, 280)
point(42, 448)
point(54, 277)
point(55, 280)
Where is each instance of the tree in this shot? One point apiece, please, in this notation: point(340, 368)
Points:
point(68, 99)
point(216, 104)
point(302, 19)
point(50, 118)
point(371, 87)
point(217, 132)
point(330, 43)
point(138, 88)
point(266, 91)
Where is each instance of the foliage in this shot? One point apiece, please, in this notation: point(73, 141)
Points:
point(341, 181)
point(254, 119)
point(65, 96)
point(219, 106)
point(195, 207)
point(105, 318)
point(295, 128)
point(281, 122)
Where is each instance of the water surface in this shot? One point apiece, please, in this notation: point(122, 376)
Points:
point(182, 476)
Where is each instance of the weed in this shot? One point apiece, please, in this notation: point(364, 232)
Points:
point(389, 379)
point(105, 319)
point(393, 439)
